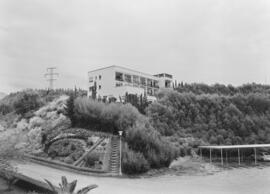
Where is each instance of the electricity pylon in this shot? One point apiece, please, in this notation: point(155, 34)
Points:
point(51, 76)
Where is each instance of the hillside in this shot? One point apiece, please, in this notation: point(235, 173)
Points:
point(35, 121)
point(174, 125)
point(213, 118)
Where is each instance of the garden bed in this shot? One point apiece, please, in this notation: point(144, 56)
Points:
point(77, 147)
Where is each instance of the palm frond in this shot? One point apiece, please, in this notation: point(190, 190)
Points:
point(85, 190)
point(72, 186)
point(51, 186)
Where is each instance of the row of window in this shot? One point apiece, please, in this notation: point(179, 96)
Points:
point(164, 75)
point(136, 79)
point(93, 88)
point(150, 91)
point(91, 79)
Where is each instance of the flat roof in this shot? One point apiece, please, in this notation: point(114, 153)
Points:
point(125, 68)
point(235, 146)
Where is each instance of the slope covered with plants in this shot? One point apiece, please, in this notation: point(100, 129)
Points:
point(212, 118)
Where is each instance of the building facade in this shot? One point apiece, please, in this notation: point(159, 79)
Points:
point(115, 81)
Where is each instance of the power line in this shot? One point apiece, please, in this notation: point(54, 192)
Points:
point(51, 76)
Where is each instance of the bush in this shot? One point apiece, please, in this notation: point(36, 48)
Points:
point(133, 162)
point(213, 118)
point(27, 101)
point(156, 150)
point(91, 159)
point(5, 109)
point(66, 147)
point(68, 160)
point(104, 117)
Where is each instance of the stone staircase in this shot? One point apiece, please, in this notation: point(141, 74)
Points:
point(115, 156)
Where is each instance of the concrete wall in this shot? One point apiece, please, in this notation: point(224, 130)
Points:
point(106, 86)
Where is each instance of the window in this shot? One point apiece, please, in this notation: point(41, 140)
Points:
point(143, 81)
point(119, 76)
point(149, 91)
point(118, 84)
point(128, 78)
point(136, 79)
point(167, 83)
point(149, 82)
point(91, 79)
point(99, 77)
point(99, 87)
point(96, 77)
point(155, 84)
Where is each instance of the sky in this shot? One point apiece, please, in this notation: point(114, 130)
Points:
point(205, 41)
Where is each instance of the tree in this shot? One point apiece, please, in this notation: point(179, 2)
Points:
point(70, 109)
point(4, 109)
point(69, 188)
point(27, 101)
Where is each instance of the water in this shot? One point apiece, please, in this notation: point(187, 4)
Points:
point(251, 180)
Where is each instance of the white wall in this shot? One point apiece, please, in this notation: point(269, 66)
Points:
point(108, 82)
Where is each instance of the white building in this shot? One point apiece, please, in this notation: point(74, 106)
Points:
point(115, 81)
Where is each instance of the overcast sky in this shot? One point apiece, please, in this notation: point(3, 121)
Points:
point(210, 41)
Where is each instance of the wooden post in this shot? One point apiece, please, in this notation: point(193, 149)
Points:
point(238, 156)
point(201, 153)
point(221, 157)
point(255, 156)
point(210, 155)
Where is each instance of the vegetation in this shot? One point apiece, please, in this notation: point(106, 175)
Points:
point(9, 174)
point(133, 162)
point(91, 159)
point(69, 188)
point(104, 117)
point(213, 119)
point(70, 149)
point(143, 138)
point(30, 100)
point(70, 109)
point(139, 134)
point(154, 134)
point(138, 101)
point(220, 89)
point(7, 153)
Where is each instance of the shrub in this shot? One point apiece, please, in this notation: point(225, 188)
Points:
point(68, 160)
point(133, 162)
point(104, 117)
point(91, 159)
point(35, 122)
point(76, 155)
point(34, 137)
point(66, 147)
point(27, 101)
point(156, 150)
point(5, 109)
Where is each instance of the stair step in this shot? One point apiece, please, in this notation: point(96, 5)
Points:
point(115, 156)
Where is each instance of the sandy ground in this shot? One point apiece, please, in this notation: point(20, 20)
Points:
point(236, 181)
